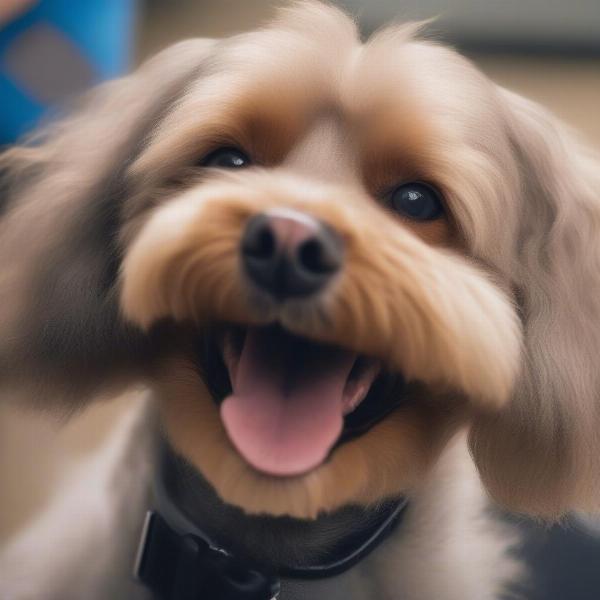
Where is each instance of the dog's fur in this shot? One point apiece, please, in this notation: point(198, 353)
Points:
point(110, 230)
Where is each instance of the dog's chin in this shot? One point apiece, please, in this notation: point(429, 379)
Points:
point(281, 424)
point(287, 402)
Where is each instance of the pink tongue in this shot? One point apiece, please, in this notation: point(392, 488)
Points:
point(286, 411)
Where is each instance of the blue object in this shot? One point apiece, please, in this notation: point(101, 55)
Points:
point(55, 50)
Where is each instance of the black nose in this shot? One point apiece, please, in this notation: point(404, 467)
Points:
point(290, 254)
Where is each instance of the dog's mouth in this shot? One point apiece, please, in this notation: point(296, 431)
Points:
point(286, 402)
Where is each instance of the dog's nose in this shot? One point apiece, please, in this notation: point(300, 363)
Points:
point(290, 254)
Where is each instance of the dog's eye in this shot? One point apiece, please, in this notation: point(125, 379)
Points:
point(226, 158)
point(418, 201)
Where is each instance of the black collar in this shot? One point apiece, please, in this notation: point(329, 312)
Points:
point(186, 567)
point(178, 561)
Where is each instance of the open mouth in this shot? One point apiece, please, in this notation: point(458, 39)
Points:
point(286, 402)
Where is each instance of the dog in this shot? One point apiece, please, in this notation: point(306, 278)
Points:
point(359, 281)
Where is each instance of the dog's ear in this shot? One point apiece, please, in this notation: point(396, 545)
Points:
point(541, 455)
point(63, 192)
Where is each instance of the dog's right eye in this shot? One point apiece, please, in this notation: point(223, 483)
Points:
point(226, 158)
point(417, 201)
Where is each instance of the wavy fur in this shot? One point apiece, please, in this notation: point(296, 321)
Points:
point(109, 226)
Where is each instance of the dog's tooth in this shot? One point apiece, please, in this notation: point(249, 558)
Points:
point(230, 356)
point(357, 397)
point(358, 388)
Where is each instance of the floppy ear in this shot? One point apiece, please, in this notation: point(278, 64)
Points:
point(60, 216)
point(541, 455)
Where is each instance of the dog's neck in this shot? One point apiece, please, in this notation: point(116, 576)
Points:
point(273, 542)
point(194, 541)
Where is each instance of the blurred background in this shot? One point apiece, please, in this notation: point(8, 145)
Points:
point(51, 50)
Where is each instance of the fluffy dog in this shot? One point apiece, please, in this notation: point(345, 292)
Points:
point(328, 260)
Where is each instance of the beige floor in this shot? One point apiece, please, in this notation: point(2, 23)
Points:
point(33, 452)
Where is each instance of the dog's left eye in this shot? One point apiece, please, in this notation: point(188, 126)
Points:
point(417, 201)
point(226, 158)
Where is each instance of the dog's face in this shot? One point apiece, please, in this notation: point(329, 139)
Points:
point(330, 247)
point(304, 218)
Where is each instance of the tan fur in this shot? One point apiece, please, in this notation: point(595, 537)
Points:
point(541, 453)
point(377, 307)
point(495, 307)
point(476, 156)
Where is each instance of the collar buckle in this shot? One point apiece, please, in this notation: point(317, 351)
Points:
point(186, 567)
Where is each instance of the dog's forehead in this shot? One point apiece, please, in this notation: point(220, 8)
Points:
point(391, 92)
point(395, 72)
